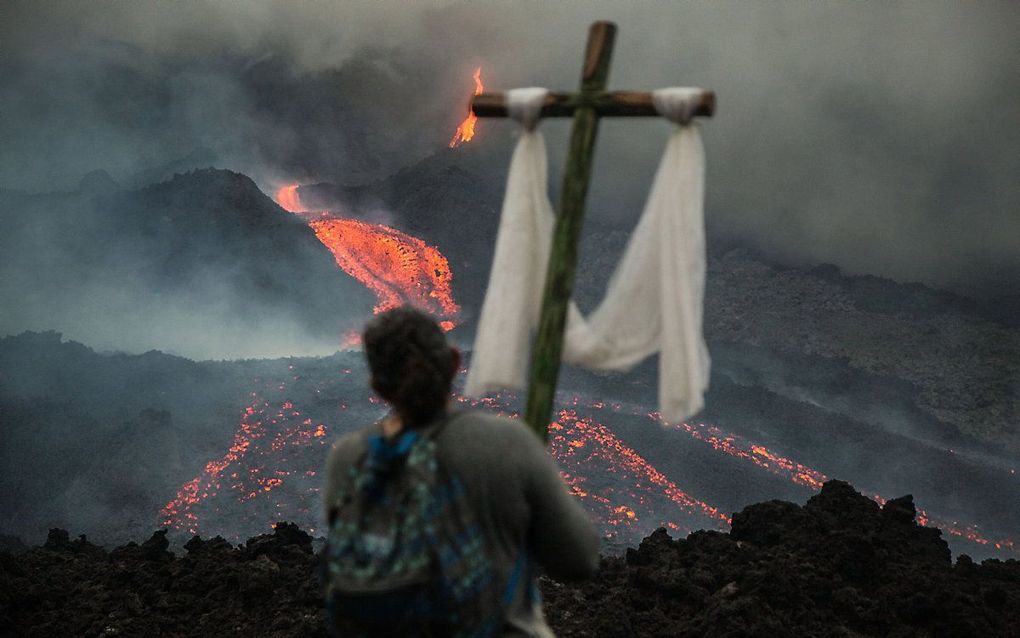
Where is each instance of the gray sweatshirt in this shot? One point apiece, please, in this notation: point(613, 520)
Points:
point(516, 491)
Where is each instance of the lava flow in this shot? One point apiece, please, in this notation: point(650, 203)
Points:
point(621, 489)
point(579, 443)
point(773, 463)
point(268, 474)
point(466, 130)
point(397, 267)
point(269, 471)
point(258, 423)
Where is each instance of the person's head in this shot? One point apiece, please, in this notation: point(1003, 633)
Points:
point(412, 366)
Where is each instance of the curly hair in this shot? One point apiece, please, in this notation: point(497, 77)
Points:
point(411, 363)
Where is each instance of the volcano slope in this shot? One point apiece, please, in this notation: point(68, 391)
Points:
point(896, 386)
point(114, 445)
point(204, 262)
point(837, 566)
point(925, 363)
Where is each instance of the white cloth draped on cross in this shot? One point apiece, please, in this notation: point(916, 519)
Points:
point(654, 299)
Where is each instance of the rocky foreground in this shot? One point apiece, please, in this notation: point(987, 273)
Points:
point(838, 566)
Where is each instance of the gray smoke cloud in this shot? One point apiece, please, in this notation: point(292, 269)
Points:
point(881, 138)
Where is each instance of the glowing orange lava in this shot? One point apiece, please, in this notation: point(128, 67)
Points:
point(395, 266)
point(578, 441)
point(640, 495)
point(265, 476)
point(177, 513)
point(466, 130)
point(288, 199)
point(259, 461)
point(802, 475)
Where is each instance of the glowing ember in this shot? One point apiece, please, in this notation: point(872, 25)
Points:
point(288, 199)
point(466, 130)
point(395, 266)
point(177, 513)
point(265, 454)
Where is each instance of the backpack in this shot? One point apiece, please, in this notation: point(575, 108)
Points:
point(405, 555)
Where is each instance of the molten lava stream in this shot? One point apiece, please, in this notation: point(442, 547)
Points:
point(398, 268)
point(395, 266)
point(739, 447)
point(577, 441)
point(803, 475)
point(177, 513)
point(638, 495)
point(258, 462)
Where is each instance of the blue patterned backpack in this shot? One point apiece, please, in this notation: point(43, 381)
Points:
point(405, 555)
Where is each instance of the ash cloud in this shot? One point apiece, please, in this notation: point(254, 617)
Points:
point(878, 138)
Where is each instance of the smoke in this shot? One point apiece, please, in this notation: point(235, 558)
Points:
point(879, 138)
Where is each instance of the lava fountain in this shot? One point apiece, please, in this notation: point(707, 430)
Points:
point(288, 199)
point(466, 130)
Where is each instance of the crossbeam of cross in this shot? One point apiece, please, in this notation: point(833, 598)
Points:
point(586, 107)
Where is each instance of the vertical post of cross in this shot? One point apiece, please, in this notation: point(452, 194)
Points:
point(559, 281)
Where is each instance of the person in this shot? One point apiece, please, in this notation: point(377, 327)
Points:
point(512, 485)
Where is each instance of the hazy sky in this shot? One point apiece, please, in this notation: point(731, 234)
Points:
point(882, 137)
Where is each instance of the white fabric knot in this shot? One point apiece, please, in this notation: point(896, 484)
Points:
point(525, 105)
point(677, 104)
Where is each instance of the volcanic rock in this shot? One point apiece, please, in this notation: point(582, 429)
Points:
point(140, 590)
point(837, 566)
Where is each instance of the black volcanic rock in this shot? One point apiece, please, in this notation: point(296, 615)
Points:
point(154, 549)
point(60, 590)
point(838, 566)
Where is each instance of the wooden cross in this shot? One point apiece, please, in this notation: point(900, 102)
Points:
point(586, 106)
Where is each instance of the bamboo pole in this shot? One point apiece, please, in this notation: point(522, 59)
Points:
point(559, 282)
point(606, 104)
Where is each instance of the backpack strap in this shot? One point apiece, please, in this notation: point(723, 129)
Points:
point(515, 576)
point(520, 570)
point(380, 448)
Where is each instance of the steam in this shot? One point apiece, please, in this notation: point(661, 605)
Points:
point(878, 138)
